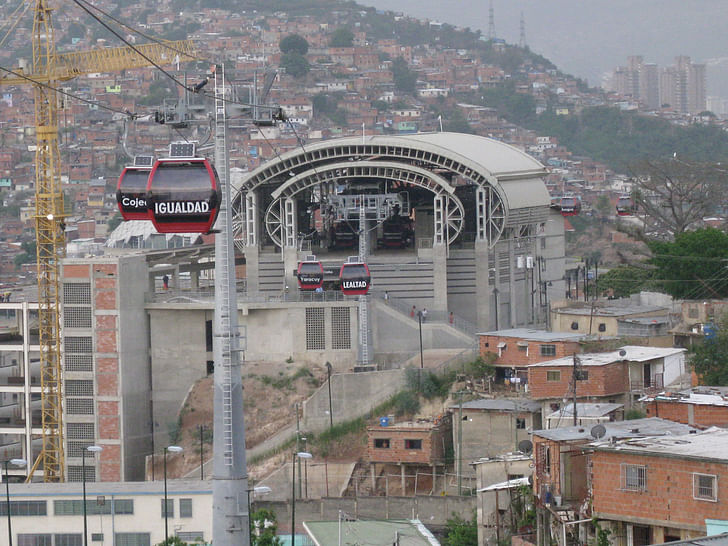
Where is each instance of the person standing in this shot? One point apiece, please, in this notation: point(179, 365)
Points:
point(424, 314)
point(165, 281)
point(413, 311)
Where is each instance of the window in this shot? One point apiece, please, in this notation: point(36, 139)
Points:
point(35, 540)
point(24, 508)
point(97, 537)
point(93, 507)
point(634, 477)
point(132, 539)
point(381, 443)
point(543, 463)
point(705, 487)
point(68, 539)
point(191, 536)
point(170, 508)
point(80, 431)
point(581, 375)
point(208, 336)
point(520, 422)
point(574, 325)
point(553, 375)
point(602, 327)
point(548, 350)
point(185, 508)
point(413, 444)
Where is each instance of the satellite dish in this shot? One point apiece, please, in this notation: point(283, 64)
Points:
point(622, 353)
point(525, 446)
point(598, 431)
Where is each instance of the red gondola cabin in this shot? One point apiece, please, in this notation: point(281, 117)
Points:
point(355, 278)
point(570, 205)
point(131, 190)
point(625, 206)
point(310, 274)
point(183, 195)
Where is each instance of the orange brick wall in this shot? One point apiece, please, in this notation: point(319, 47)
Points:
point(703, 415)
point(430, 453)
point(669, 496)
point(540, 476)
point(610, 379)
point(512, 355)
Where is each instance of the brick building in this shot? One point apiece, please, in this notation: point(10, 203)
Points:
point(619, 376)
point(516, 348)
point(699, 406)
point(411, 446)
point(562, 461)
point(667, 487)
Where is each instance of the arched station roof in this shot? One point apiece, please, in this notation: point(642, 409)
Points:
point(514, 175)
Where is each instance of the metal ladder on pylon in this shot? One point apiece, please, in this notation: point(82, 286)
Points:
point(363, 302)
point(226, 335)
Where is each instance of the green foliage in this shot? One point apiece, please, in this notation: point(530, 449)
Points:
point(173, 541)
point(324, 441)
point(460, 532)
point(523, 510)
point(295, 64)
point(114, 222)
point(516, 107)
point(406, 403)
point(287, 381)
point(602, 534)
point(158, 91)
point(342, 37)
point(709, 359)
point(634, 413)
point(692, 266)
point(264, 528)
point(28, 256)
point(404, 79)
point(293, 43)
point(380, 105)
point(624, 280)
point(481, 367)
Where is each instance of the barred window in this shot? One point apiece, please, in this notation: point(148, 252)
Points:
point(553, 375)
point(132, 539)
point(170, 508)
point(634, 477)
point(185, 508)
point(77, 317)
point(315, 329)
point(80, 431)
point(80, 406)
point(191, 536)
point(78, 363)
point(26, 539)
point(79, 387)
point(24, 508)
point(78, 293)
point(68, 539)
point(705, 487)
point(548, 350)
point(78, 344)
point(74, 507)
point(75, 473)
point(340, 328)
point(97, 537)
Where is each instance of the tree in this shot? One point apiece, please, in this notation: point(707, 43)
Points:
point(293, 43)
point(693, 266)
point(460, 532)
point(624, 280)
point(342, 37)
point(709, 359)
point(676, 195)
point(295, 64)
point(173, 541)
point(114, 222)
point(404, 79)
point(264, 527)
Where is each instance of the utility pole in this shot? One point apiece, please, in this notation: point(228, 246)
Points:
point(574, 378)
point(298, 449)
point(460, 442)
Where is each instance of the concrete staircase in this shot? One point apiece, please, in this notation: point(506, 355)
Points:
point(271, 275)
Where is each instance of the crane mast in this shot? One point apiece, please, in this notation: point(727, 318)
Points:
point(50, 244)
point(48, 69)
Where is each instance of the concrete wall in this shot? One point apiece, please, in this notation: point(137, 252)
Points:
point(491, 433)
point(352, 395)
point(431, 510)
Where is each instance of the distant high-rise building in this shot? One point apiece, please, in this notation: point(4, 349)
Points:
point(491, 22)
point(682, 86)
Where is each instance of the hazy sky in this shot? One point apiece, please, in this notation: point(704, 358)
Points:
point(588, 38)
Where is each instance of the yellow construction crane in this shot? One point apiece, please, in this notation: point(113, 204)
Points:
point(48, 69)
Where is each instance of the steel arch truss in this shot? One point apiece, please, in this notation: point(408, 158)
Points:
point(491, 215)
point(280, 215)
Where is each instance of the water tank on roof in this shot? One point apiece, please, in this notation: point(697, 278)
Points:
point(384, 421)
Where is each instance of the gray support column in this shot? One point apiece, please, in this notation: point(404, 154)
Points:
point(483, 291)
point(252, 270)
point(439, 254)
point(512, 281)
point(251, 219)
point(290, 250)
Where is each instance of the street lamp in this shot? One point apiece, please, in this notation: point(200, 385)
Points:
point(173, 449)
point(14, 462)
point(331, 410)
point(300, 455)
point(91, 449)
point(260, 490)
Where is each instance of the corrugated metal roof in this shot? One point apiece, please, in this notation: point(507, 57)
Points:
point(530, 334)
point(715, 540)
point(585, 410)
point(633, 353)
point(635, 428)
point(500, 404)
point(711, 444)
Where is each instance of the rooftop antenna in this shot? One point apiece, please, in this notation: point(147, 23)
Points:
point(522, 40)
point(491, 22)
